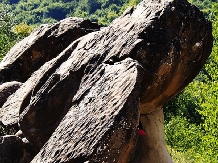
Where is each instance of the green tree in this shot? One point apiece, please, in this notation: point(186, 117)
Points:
point(203, 5)
point(38, 11)
point(7, 37)
point(10, 33)
point(22, 30)
point(192, 117)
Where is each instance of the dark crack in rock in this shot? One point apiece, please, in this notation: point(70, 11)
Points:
point(82, 102)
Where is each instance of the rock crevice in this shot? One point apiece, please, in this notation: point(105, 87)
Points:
point(82, 88)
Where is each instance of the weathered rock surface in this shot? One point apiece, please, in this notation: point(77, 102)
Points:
point(13, 149)
point(8, 89)
point(47, 42)
point(41, 46)
point(84, 102)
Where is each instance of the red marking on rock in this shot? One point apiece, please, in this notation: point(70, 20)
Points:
point(141, 132)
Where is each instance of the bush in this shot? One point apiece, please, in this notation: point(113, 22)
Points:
point(195, 136)
point(7, 37)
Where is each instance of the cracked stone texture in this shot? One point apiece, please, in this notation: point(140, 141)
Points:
point(44, 43)
point(84, 102)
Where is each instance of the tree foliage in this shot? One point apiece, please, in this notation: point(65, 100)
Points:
point(6, 34)
point(50, 11)
point(204, 5)
point(102, 11)
point(10, 33)
point(192, 117)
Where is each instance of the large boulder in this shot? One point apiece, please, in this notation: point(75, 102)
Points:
point(84, 103)
point(13, 149)
point(20, 63)
point(7, 89)
point(42, 45)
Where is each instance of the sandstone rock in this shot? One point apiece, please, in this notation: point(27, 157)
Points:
point(8, 89)
point(13, 149)
point(102, 125)
point(19, 134)
point(84, 105)
point(42, 45)
point(28, 55)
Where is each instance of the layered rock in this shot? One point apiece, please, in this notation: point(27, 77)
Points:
point(84, 102)
point(42, 45)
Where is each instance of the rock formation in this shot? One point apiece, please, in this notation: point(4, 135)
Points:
point(79, 91)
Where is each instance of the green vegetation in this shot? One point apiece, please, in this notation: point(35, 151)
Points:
point(6, 34)
point(50, 11)
point(18, 17)
point(191, 119)
point(204, 5)
point(10, 33)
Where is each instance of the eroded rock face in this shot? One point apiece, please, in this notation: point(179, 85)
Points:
point(84, 103)
point(20, 63)
point(8, 89)
point(42, 45)
point(13, 149)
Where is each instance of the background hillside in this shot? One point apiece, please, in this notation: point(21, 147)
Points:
point(49, 11)
point(101, 11)
point(191, 119)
